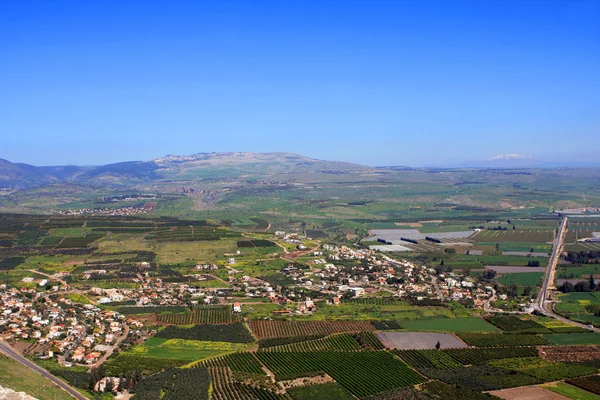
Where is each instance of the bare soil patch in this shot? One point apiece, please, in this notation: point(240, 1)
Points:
point(503, 269)
point(419, 340)
point(528, 393)
point(313, 380)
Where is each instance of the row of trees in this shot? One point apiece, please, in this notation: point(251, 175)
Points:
point(581, 286)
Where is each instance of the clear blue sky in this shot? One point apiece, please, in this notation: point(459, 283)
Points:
point(375, 82)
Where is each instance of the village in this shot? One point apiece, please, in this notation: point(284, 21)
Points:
point(52, 325)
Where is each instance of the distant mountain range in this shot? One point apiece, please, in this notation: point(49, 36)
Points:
point(173, 169)
point(170, 168)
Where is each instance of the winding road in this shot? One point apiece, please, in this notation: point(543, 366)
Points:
point(6, 349)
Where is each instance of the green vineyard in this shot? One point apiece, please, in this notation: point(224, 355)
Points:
point(362, 373)
point(217, 315)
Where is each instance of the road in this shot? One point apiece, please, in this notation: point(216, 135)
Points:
point(542, 300)
point(12, 353)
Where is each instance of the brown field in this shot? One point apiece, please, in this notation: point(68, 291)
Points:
point(419, 340)
point(570, 353)
point(504, 269)
point(528, 393)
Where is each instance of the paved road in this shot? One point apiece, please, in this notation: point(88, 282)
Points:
point(542, 300)
point(12, 353)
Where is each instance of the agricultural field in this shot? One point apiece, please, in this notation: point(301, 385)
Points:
point(481, 378)
point(419, 340)
point(513, 324)
point(126, 362)
point(213, 315)
point(544, 370)
point(428, 359)
point(574, 354)
point(529, 393)
point(474, 356)
point(579, 306)
point(281, 329)
point(167, 385)
point(521, 279)
point(516, 235)
point(365, 309)
point(183, 349)
point(589, 383)
point(237, 362)
point(325, 391)
point(495, 339)
point(225, 386)
point(234, 333)
point(570, 392)
point(361, 373)
point(567, 339)
point(337, 342)
point(471, 324)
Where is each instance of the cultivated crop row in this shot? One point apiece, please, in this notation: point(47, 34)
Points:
point(368, 340)
point(510, 323)
point(590, 383)
point(235, 333)
point(221, 315)
point(544, 370)
point(428, 359)
point(481, 356)
point(498, 339)
point(275, 329)
point(362, 373)
point(224, 387)
point(240, 362)
point(341, 342)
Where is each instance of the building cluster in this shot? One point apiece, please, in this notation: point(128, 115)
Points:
point(57, 326)
point(108, 211)
point(344, 273)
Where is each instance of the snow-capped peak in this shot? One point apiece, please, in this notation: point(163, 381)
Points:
point(504, 157)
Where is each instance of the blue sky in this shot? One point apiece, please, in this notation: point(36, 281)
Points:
point(375, 82)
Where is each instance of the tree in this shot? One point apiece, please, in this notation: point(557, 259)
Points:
point(108, 385)
point(497, 247)
point(592, 283)
point(513, 290)
point(527, 291)
point(442, 262)
point(438, 345)
point(582, 286)
point(489, 274)
point(566, 287)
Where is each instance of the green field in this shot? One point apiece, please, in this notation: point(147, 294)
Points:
point(571, 392)
point(17, 377)
point(401, 311)
point(521, 278)
point(184, 349)
point(324, 391)
point(565, 339)
point(472, 324)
